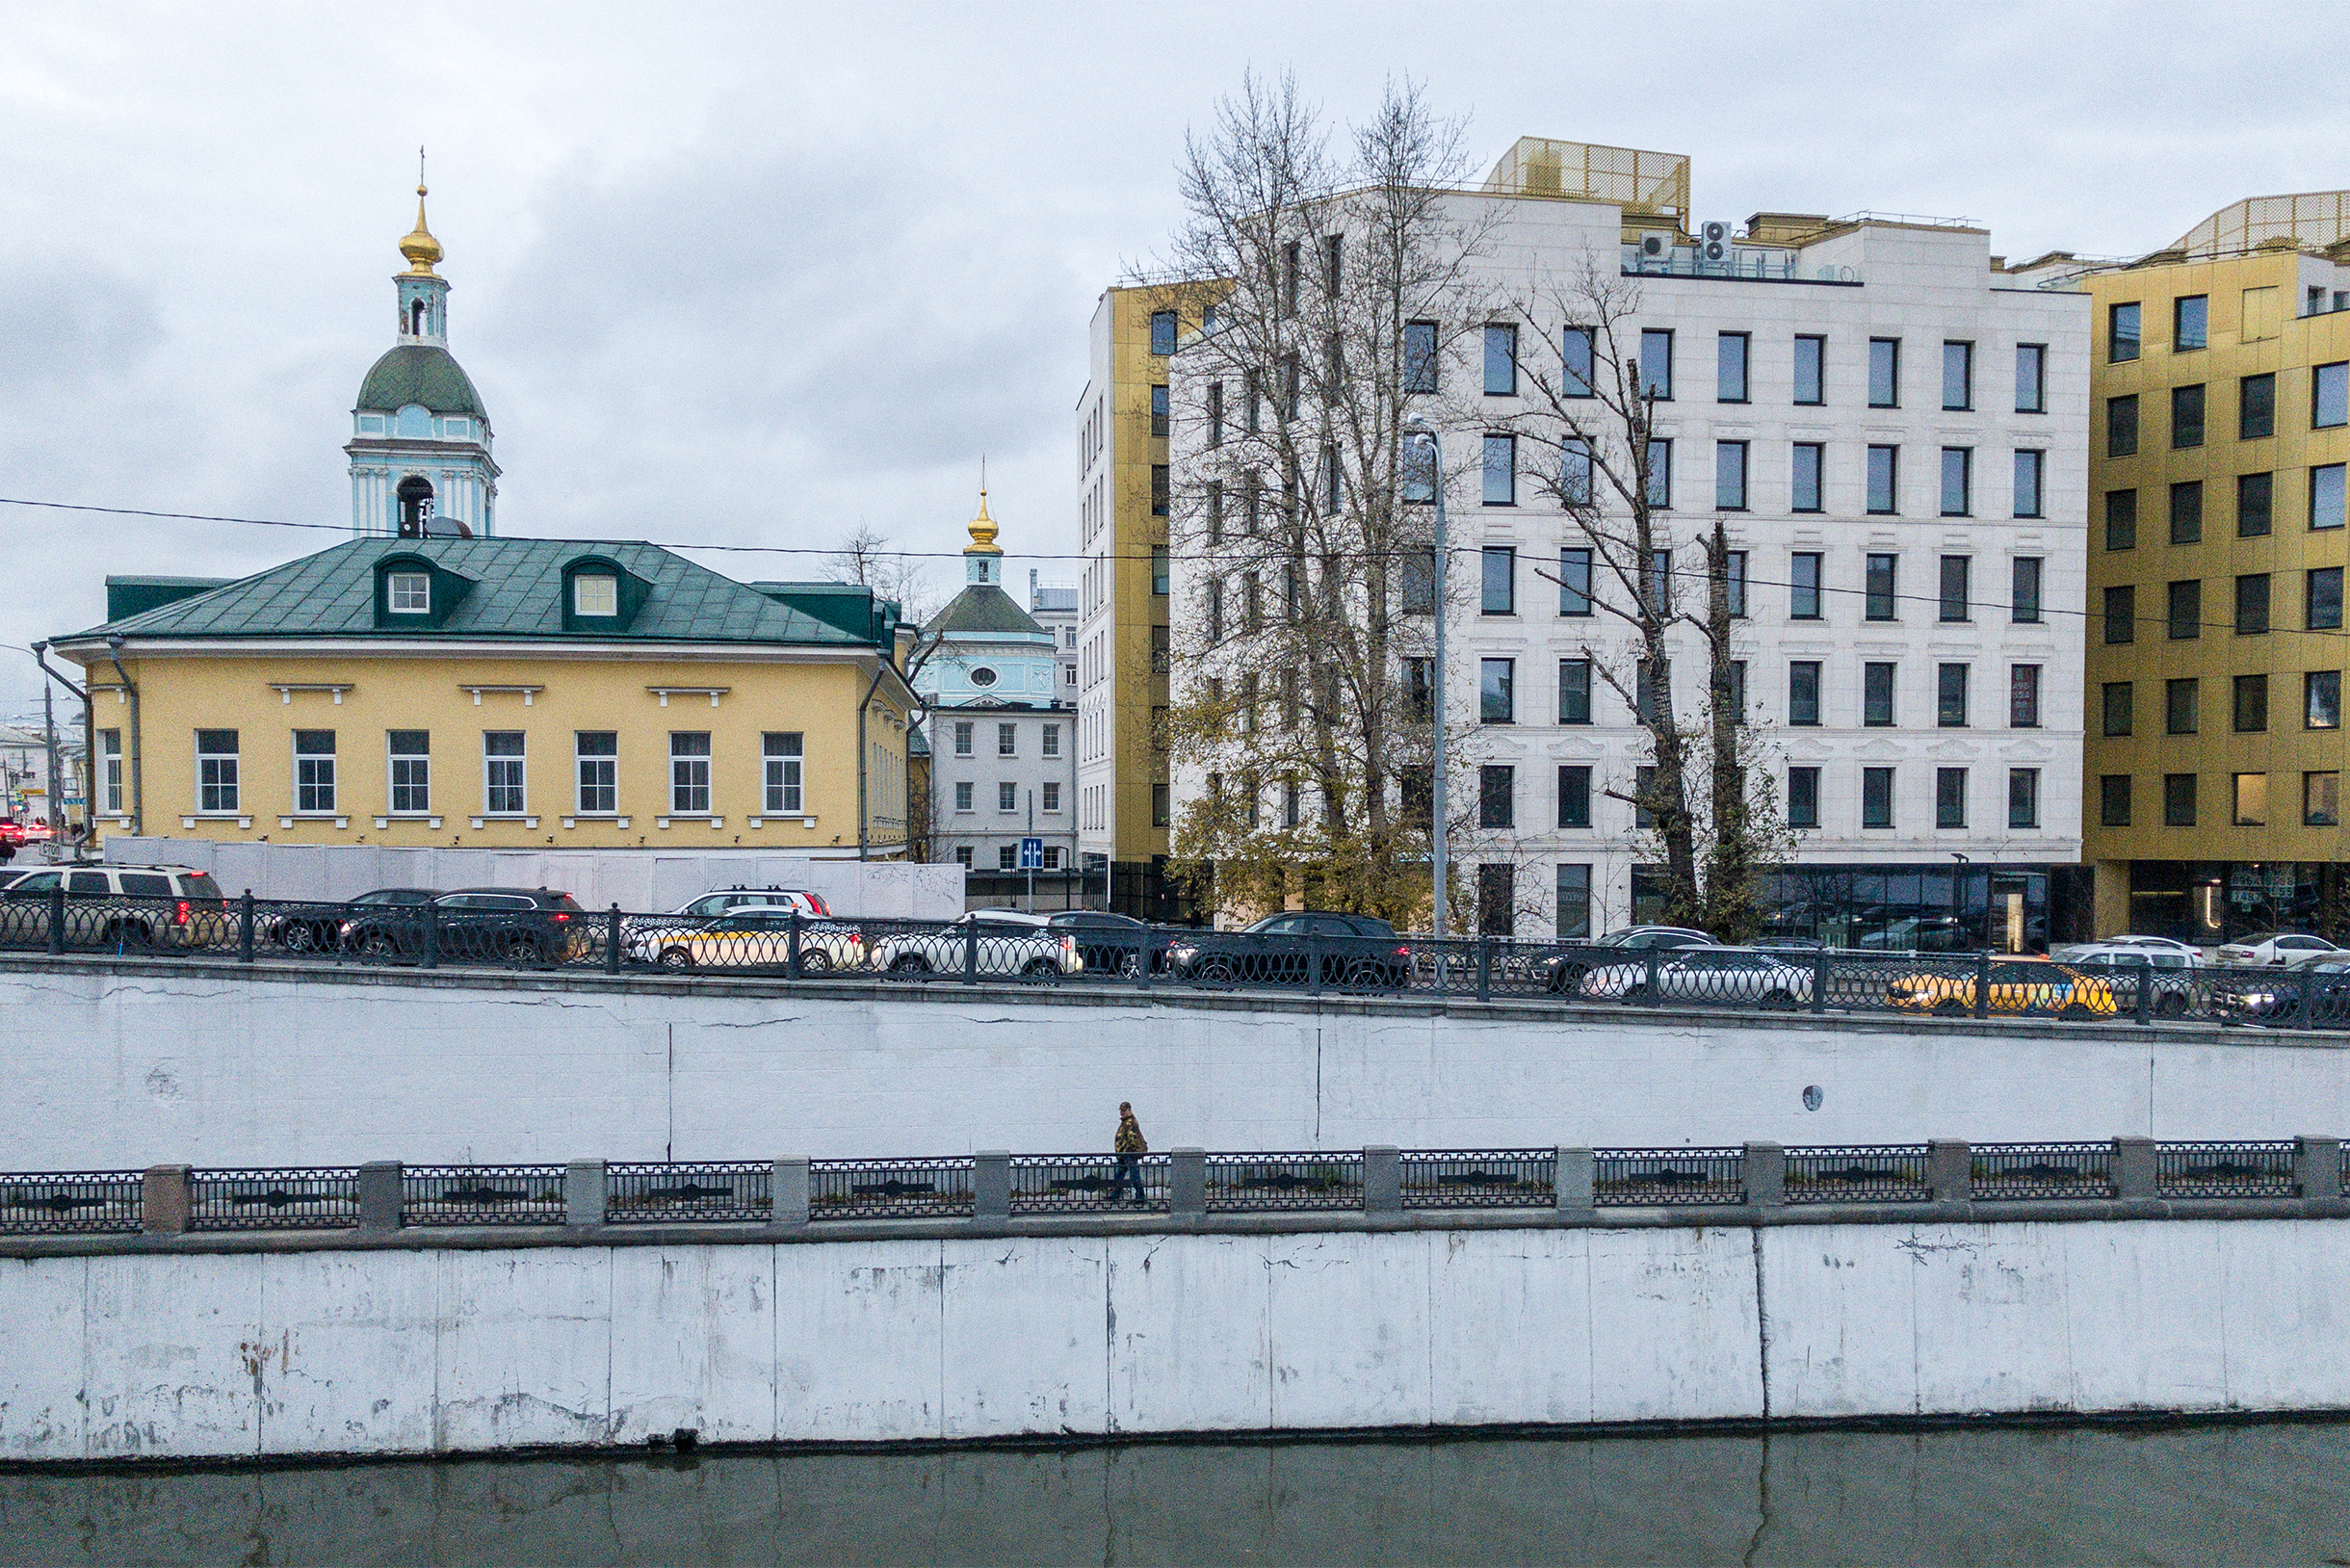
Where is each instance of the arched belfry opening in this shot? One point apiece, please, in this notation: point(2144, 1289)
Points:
point(415, 506)
point(416, 318)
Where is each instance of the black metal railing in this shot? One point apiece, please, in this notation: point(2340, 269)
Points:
point(481, 1196)
point(1276, 1182)
point(659, 1192)
point(2012, 1172)
point(1637, 1177)
point(70, 1202)
point(890, 1189)
point(1062, 1183)
point(772, 943)
point(1858, 1173)
point(313, 1198)
point(1478, 1178)
point(2262, 1169)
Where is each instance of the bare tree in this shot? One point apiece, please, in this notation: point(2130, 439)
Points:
point(865, 556)
point(1594, 416)
point(1300, 654)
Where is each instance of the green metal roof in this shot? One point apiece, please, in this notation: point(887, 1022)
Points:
point(419, 373)
point(517, 593)
point(985, 609)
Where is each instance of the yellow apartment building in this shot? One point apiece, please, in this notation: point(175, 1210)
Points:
point(501, 694)
point(1123, 419)
point(2220, 430)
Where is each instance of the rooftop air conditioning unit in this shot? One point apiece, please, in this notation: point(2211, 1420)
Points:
point(1656, 246)
point(1714, 242)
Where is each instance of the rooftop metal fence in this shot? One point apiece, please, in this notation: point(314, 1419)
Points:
point(1090, 950)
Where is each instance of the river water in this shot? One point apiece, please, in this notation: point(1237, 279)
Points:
point(2220, 1494)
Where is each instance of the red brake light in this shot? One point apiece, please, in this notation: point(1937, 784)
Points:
point(181, 917)
point(561, 917)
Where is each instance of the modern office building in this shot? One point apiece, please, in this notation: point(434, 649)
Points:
point(1122, 424)
point(2221, 431)
point(1000, 723)
point(1895, 429)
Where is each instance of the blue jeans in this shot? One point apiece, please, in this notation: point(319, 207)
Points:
point(1129, 1166)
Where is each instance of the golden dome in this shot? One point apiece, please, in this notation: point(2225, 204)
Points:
point(420, 247)
point(982, 530)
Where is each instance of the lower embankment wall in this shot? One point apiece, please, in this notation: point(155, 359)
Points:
point(447, 1348)
point(128, 1062)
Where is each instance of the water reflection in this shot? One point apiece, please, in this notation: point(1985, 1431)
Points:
point(2243, 1494)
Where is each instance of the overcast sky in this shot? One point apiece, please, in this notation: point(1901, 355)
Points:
point(751, 275)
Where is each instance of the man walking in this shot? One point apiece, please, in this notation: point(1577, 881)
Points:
point(1130, 1147)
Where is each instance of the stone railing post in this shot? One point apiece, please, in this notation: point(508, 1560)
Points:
point(583, 1192)
point(1573, 1180)
point(2317, 1167)
point(2133, 1167)
point(1188, 1182)
point(1763, 1169)
point(1382, 1181)
point(380, 1194)
point(991, 1187)
point(163, 1201)
point(1949, 1170)
point(789, 1195)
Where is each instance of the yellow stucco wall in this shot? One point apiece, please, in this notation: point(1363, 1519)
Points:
point(184, 692)
point(2243, 341)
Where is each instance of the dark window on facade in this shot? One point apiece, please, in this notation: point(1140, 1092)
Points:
point(1958, 375)
point(2120, 707)
point(2255, 406)
point(1643, 781)
point(1163, 489)
point(2326, 496)
point(2252, 604)
point(2024, 696)
point(2121, 333)
point(1419, 357)
point(1657, 364)
point(2121, 615)
point(2250, 704)
point(1497, 795)
point(2031, 465)
point(1574, 471)
point(1496, 704)
point(1500, 361)
point(1575, 691)
point(2186, 417)
point(1734, 590)
point(1803, 798)
point(1957, 587)
point(1501, 470)
point(2178, 799)
point(1957, 482)
point(1810, 369)
point(1950, 697)
point(2185, 621)
point(2186, 512)
point(2024, 590)
point(1497, 901)
point(2254, 505)
point(1575, 796)
point(2024, 798)
point(2321, 799)
point(1574, 923)
point(2321, 699)
point(1660, 474)
point(1876, 797)
point(1884, 480)
point(1878, 599)
point(1949, 798)
point(2113, 800)
point(2121, 519)
point(1884, 373)
point(1163, 331)
point(2031, 378)
point(1803, 586)
point(1575, 581)
point(2122, 426)
point(2182, 706)
point(1498, 584)
point(1803, 693)
point(1877, 695)
point(2330, 396)
point(1419, 572)
point(2322, 600)
point(1805, 491)
point(1576, 356)
point(1730, 367)
point(1161, 414)
point(2190, 322)
point(1730, 476)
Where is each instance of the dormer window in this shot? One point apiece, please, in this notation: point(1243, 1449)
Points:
point(408, 594)
point(592, 594)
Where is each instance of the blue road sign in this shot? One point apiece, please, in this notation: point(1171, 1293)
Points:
point(1031, 854)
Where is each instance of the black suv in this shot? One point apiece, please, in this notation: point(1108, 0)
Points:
point(1361, 951)
point(476, 925)
point(318, 927)
point(1110, 944)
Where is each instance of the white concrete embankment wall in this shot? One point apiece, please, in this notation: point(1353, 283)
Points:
point(437, 1350)
point(119, 1070)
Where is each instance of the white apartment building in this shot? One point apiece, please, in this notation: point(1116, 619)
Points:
point(1897, 432)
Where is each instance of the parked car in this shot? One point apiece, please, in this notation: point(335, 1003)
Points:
point(1705, 974)
point(11, 832)
point(2065, 952)
point(811, 905)
point(2275, 948)
point(1915, 933)
point(137, 906)
point(753, 935)
point(2278, 1003)
point(1111, 944)
point(318, 927)
point(1353, 950)
point(1009, 942)
point(511, 925)
point(2170, 972)
point(1562, 973)
point(2018, 986)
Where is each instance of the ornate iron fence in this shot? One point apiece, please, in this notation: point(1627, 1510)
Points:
point(1047, 1184)
point(82, 1202)
point(1479, 1178)
point(481, 1196)
point(1858, 1173)
point(663, 1192)
point(2225, 1170)
point(2014, 1172)
point(316, 1198)
point(1243, 1183)
point(890, 1189)
point(1640, 1177)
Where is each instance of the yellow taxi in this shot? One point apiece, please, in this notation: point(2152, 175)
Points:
point(2018, 986)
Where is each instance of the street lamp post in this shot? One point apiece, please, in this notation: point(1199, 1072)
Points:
point(1424, 441)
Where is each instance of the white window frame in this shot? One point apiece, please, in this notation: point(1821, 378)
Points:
point(689, 774)
point(608, 768)
point(1003, 805)
point(392, 783)
point(402, 584)
point(782, 760)
point(607, 594)
point(226, 782)
point(491, 764)
point(110, 776)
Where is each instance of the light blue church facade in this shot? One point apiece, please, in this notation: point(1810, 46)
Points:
point(420, 446)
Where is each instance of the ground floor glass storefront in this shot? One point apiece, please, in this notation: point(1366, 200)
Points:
point(2217, 901)
point(1951, 907)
